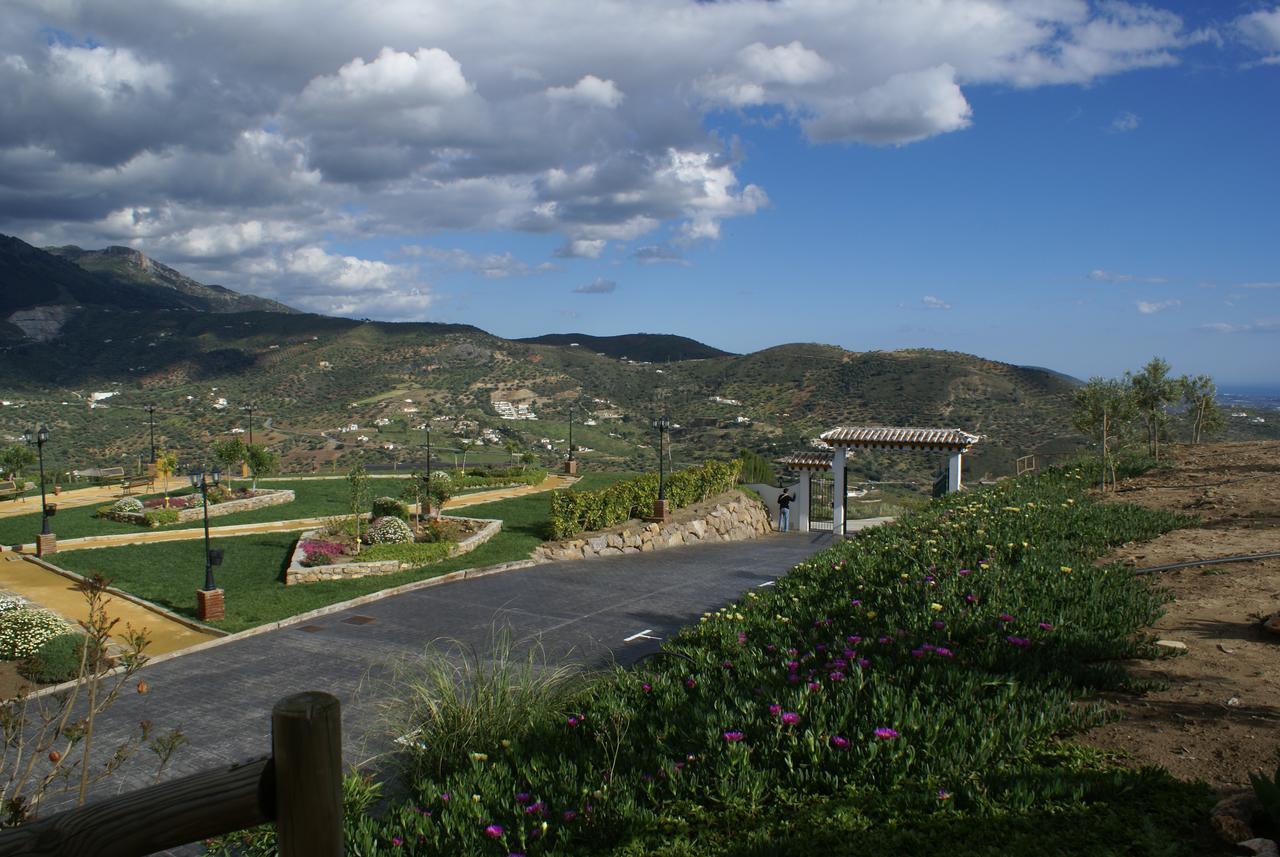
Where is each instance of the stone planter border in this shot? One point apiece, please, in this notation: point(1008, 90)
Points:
point(261, 499)
point(731, 516)
point(298, 573)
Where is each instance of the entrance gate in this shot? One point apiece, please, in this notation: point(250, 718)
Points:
point(821, 496)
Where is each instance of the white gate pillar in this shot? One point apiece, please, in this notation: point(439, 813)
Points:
point(800, 506)
point(953, 472)
point(837, 510)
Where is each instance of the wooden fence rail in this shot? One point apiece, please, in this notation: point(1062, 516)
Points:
point(299, 788)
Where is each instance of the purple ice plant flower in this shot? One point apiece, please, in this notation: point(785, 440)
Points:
point(1004, 617)
point(886, 733)
point(775, 710)
point(938, 623)
point(1019, 642)
point(494, 831)
point(690, 683)
point(790, 718)
point(1046, 626)
point(839, 742)
point(733, 737)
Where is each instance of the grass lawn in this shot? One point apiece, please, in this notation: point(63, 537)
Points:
point(252, 572)
point(314, 498)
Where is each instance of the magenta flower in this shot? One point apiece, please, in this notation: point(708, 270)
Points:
point(839, 742)
point(971, 598)
point(864, 663)
point(1046, 626)
point(742, 637)
point(397, 841)
point(943, 794)
point(494, 831)
point(886, 733)
point(728, 665)
point(646, 687)
point(568, 815)
point(1019, 642)
point(963, 572)
point(1005, 617)
point(733, 737)
point(943, 651)
point(836, 675)
point(853, 639)
point(522, 797)
point(775, 710)
point(690, 683)
point(938, 623)
point(813, 685)
point(572, 722)
point(790, 718)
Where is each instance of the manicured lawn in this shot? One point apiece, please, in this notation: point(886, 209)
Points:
point(252, 572)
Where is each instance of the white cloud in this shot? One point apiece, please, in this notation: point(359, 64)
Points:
point(1153, 307)
point(654, 254)
point(1103, 276)
point(1125, 121)
point(591, 91)
point(1260, 30)
point(266, 129)
point(1265, 325)
point(931, 302)
point(1273, 285)
point(494, 266)
point(598, 286)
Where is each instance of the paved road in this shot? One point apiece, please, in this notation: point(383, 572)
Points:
point(581, 612)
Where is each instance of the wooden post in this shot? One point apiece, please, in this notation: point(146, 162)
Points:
point(306, 744)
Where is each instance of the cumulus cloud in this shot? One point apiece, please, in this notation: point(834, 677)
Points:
point(493, 266)
point(591, 91)
point(1260, 30)
point(931, 302)
point(598, 286)
point(1125, 121)
point(246, 138)
point(1153, 307)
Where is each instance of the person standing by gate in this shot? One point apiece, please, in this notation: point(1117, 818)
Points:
point(784, 510)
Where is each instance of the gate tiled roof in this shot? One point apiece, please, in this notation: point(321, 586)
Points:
point(892, 437)
point(808, 460)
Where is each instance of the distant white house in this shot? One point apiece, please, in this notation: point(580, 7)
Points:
point(98, 397)
point(720, 400)
point(589, 422)
point(363, 438)
point(1258, 420)
point(382, 421)
point(237, 431)
point(409, 410)
point(325, 364)
point(220, 404)
point(508, 411)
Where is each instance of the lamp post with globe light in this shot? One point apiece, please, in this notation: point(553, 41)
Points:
point(209, 600)
point(45, 543)
point(661, 511)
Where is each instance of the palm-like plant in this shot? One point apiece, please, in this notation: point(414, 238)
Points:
point(166, 466)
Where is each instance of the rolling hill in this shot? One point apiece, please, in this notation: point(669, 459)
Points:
point(642, 347)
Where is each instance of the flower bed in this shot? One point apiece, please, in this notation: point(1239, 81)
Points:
point(911, 675)
point(152, 514)
point(317, 557)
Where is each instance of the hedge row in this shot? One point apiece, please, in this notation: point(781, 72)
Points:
point(573, 512)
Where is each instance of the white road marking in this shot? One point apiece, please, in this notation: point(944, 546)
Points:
point(643, 635)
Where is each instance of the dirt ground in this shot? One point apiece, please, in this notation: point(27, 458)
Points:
point(1218, 717)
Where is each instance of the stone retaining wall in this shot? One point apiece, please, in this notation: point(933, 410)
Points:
point(732, 516)
point(299, 573)
point(261, 499)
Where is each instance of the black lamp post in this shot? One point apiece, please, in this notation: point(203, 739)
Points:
point(571, 432)
point(151, 416)
point(663, 425)
point(39, 439)
point(201, 481)
point(427, 477)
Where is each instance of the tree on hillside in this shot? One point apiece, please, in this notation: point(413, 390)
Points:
point(14, 459)
point(512, 448)
point(1153, 391)
point(527, 458)
point(755, 468)
point(261, 461)
point(1101, 408)
point(166, 466)
point(228, 454)
point(1199, 394)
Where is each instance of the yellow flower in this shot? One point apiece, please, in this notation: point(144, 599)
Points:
point(871, 614)
point(475, 798)
point(935, 607)
point(479, 757)
point(1066, 569)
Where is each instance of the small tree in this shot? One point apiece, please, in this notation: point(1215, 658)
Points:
point(1101, 408)
point(1200, 394)
point(229, 453)
point(512, 448)
point(411, 491)
point(261, 461)
point(527, 458)
point(13, 459)
point(358, 482)
point(1153, 391)
point(166, 466)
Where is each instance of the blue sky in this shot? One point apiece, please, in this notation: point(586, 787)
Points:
point(1080, 186)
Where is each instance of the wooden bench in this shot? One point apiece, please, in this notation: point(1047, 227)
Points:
point(128, 483)
point(10, 490)
point(107, 476)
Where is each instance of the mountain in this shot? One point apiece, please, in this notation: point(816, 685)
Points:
point(126, 266)
point(641, 347)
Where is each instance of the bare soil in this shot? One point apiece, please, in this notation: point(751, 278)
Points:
point(11, 683)
point(1218, 715)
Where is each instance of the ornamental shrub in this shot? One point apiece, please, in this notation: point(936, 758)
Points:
point(25, 630)
point(573, 512)
point(416, 554)
point(127, 506)
point(321, 552)
point(58, 659)
point(389, 530)
point(11, 602)
point(161, 517)
point(384, 506)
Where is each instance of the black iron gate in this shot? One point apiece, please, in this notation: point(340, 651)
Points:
point(822, 492)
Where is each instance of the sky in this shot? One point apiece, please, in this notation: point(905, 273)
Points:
point(1069, 184)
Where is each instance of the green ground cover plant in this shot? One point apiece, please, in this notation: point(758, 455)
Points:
point(907, 687)
point(252, 573)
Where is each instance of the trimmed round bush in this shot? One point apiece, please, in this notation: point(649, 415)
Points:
point(58, 659)
point(384, 506)
point(24, 631)
point(127, 506)
point(389, 530)
point(441, 476)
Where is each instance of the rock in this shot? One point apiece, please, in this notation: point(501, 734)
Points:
point(598, 544)
point(1232, 815)
point(1261, 847)
point(1271, 624)
point(1171, 645)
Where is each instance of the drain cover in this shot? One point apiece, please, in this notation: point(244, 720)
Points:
point(311, 629)
point(359, 620)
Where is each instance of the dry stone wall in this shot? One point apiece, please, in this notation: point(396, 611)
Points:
point(299, 573)
point(261, 499)
point(732, 516)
